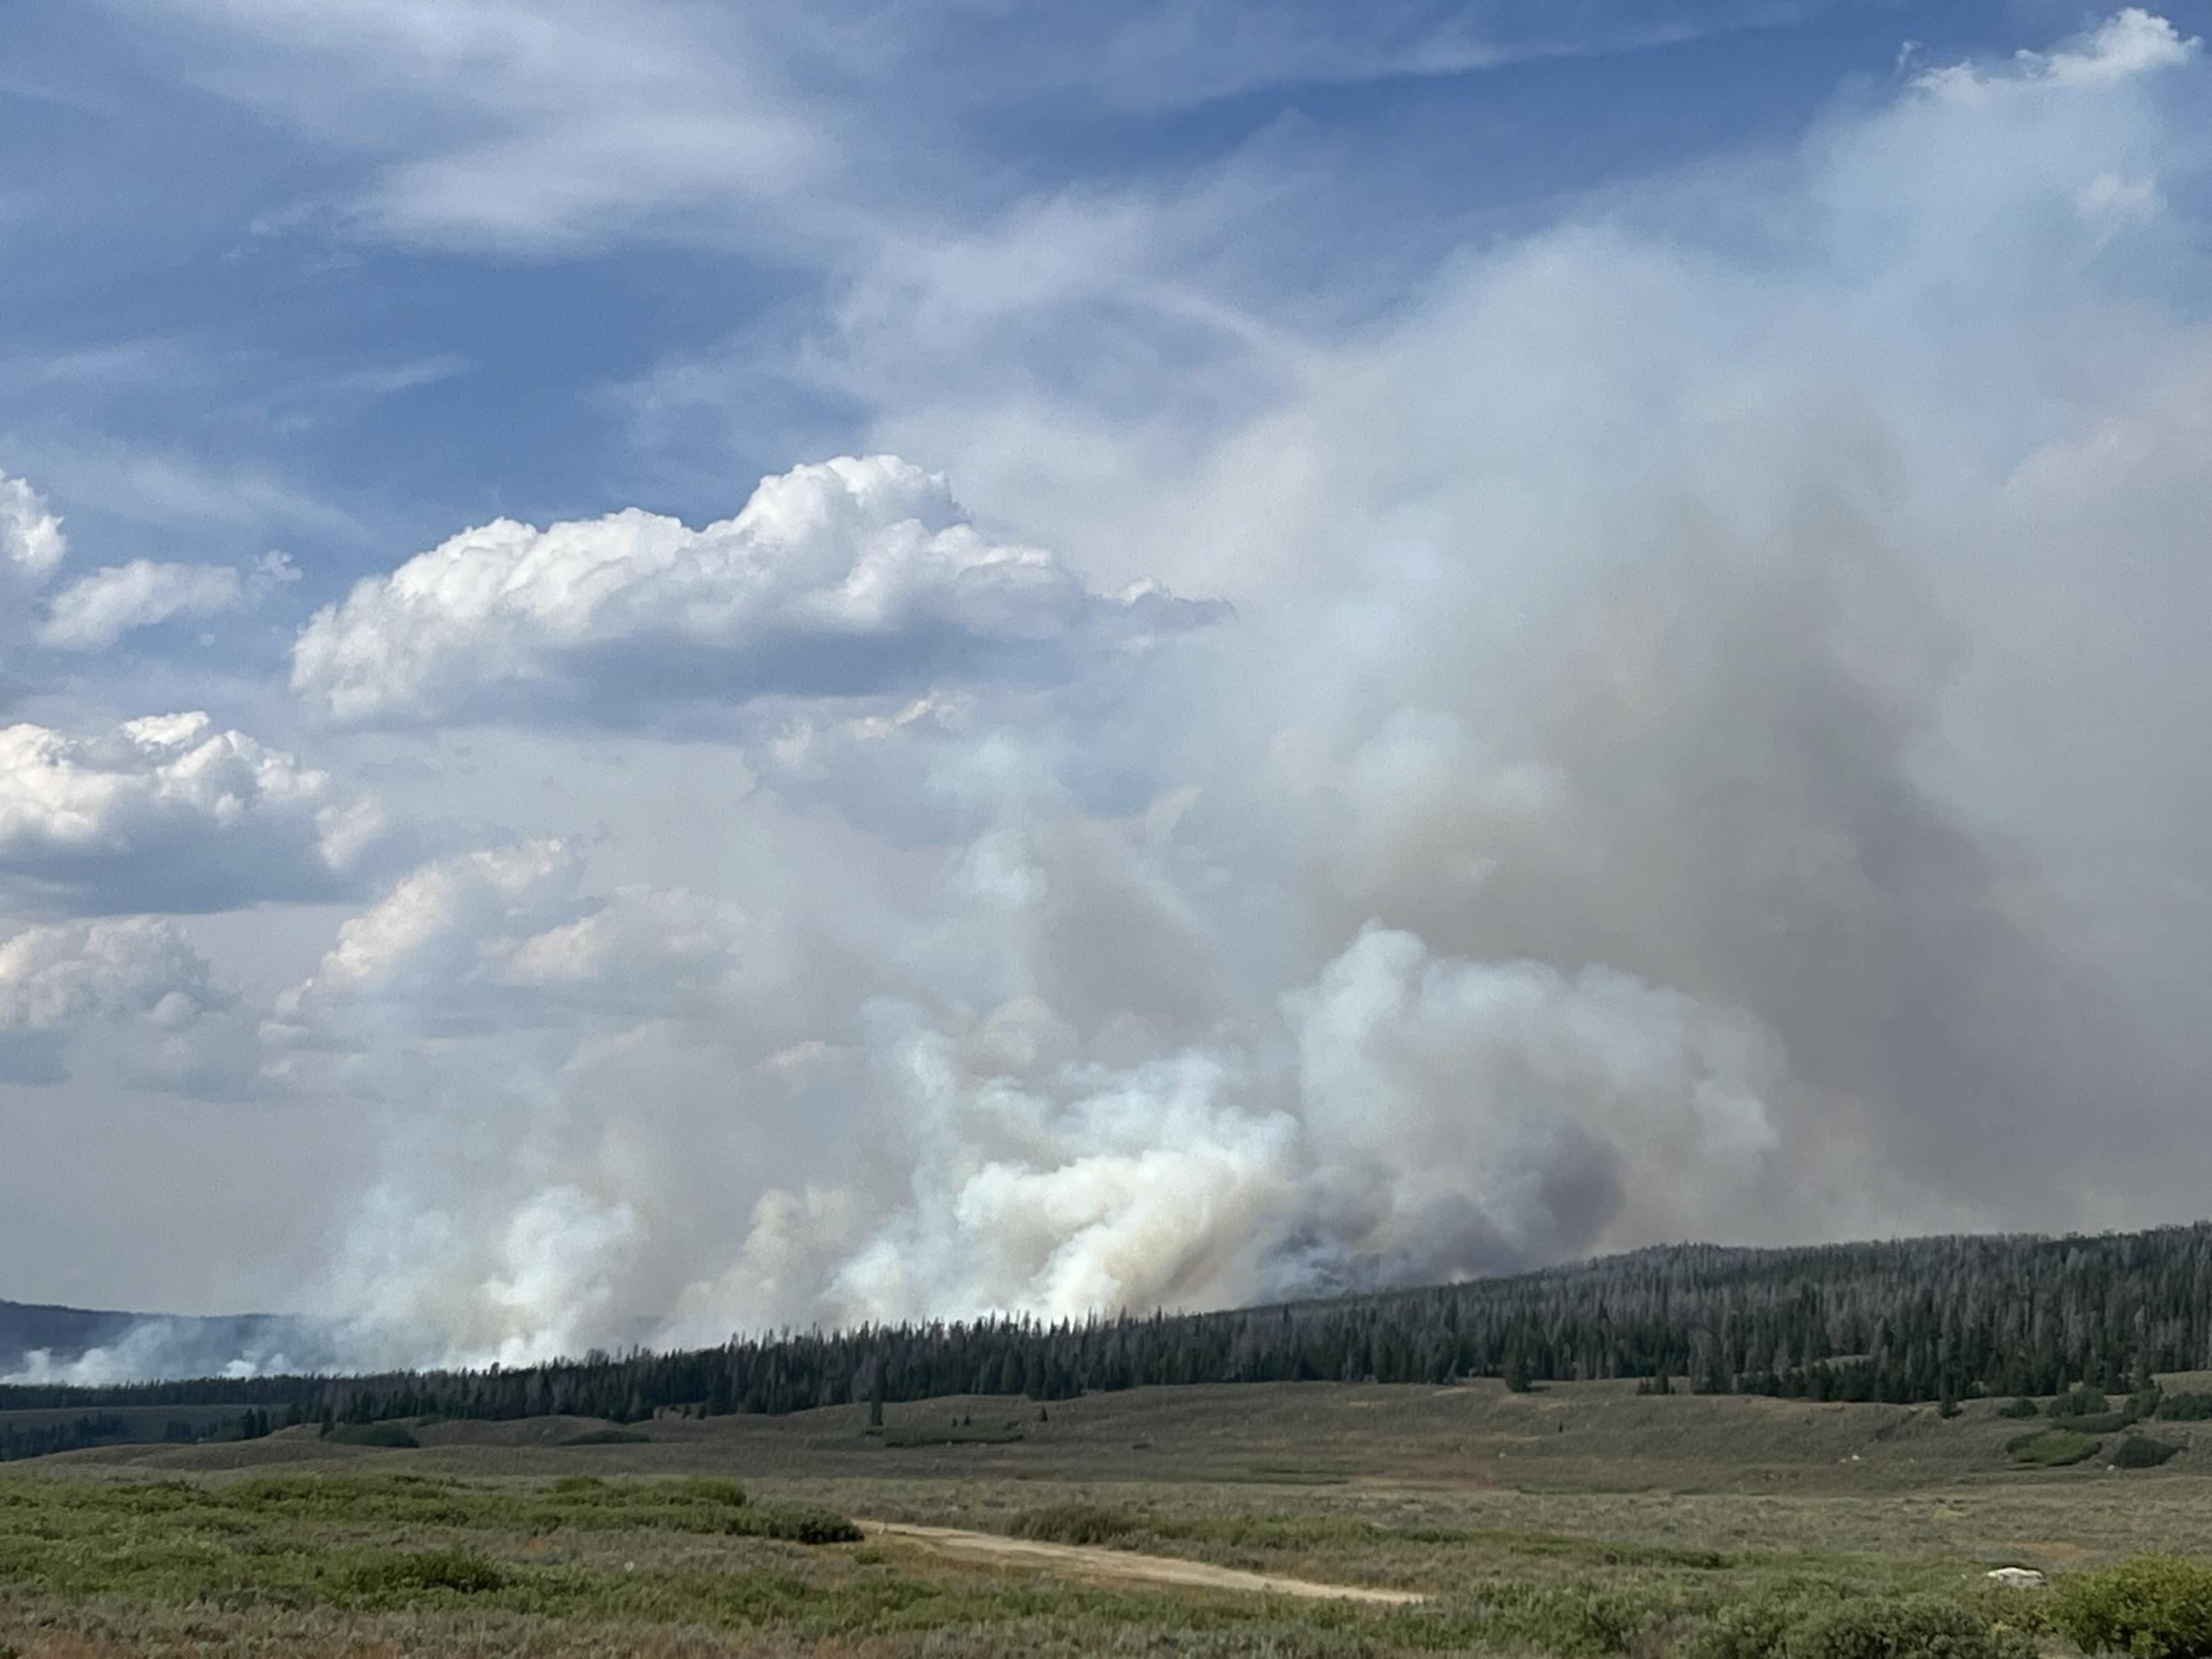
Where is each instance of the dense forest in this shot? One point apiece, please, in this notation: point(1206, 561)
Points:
point(1917, 1319)
point(42, 1439)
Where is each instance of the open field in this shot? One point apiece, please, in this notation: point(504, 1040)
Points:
point(1579, 1519)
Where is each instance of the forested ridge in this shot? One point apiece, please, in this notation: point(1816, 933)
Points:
point(1913, 1320)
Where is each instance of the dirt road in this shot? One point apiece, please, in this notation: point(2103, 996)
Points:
point(1118, 1566)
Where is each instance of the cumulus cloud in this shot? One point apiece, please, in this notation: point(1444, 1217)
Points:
point(503, 936)
point(2128, 44)
point(94, 611)
point(136, 981)
point(853, 579)
point(31, 547)
point(169, 813)
point(31, 540)
point(429, 932)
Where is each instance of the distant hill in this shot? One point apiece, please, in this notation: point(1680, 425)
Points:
point(135, 1346)
point(66, 1333)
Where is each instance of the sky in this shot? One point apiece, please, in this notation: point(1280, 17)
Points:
point(670, 668)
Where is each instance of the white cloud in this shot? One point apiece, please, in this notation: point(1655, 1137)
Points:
point(57, 975)
point(638, 948)
point(170, 813)
point(526, 128)
point(503, 940)
point(94, 611)
point(2108, 196)
point(163, 1020)
point(32, 548)
point(1152, 58)
point(427, 931)
point(539, 129)
point(31, 540)
point(855, 578)
point(2130, 43)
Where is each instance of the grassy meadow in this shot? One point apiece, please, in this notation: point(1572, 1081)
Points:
point(1575, 1520)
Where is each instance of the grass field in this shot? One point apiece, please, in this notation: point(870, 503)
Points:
point(1578, 1520)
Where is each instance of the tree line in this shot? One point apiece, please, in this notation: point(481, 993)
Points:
point(103, 1428)
point(1929, 1319)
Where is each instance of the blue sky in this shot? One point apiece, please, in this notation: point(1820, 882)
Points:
point(1258, 647)
point(202, 284)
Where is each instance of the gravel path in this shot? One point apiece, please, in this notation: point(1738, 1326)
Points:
point(1121, 1566)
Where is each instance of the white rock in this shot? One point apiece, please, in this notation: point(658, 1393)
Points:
point(2019, 1577)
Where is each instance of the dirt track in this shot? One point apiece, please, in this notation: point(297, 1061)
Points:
point(1120, 1566)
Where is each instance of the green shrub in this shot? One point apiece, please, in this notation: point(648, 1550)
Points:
point(2152, 1607)
point(909, 1435)
point(2143, 1403)
point(2080, 1401)
point(796, 1524)
point(706, 1490)
point(401, 1578)
point(608, 1437)
point(2186, 1407)
point(1585, 1619)
point(390, 1436)
point(1911, 1627)
point(2097, 1423)
point(2020, 1405)
point(2140, 1451)
point(2052, 1448)
point(1758, 1627)
point(1820, 1624)
point(1077, 1523)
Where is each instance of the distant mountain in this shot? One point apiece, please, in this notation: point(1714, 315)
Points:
point(96, 1344)
point(66, 1333)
